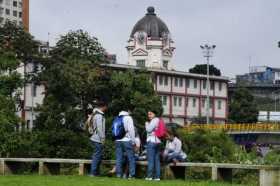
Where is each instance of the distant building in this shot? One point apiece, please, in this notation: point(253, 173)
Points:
point(112, 58)
point(260, 75)
point(150, 46)
point(16, 11)
point(32, 94)
point(183, 94)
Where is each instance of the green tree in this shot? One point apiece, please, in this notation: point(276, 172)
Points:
point(16, 46)
point(14, 38)
point(134, 91)
point(202, 69)
point(74, 79)
point(242, 108)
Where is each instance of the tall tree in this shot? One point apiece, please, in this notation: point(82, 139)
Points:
point(16, 46)
point(242, 107)
point(72, 78)
point(202, 69)
point(14, 38)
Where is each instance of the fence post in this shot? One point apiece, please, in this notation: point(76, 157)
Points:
point(2, 167)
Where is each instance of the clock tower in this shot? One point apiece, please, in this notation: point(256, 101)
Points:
point(150, 44)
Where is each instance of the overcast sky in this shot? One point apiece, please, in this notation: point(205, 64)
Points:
point(245, 31)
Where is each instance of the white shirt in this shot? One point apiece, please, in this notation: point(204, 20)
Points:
point(175, 146)
point(128, 126)
point(150, 128)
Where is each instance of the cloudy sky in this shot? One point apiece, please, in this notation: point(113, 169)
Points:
point(246, 32)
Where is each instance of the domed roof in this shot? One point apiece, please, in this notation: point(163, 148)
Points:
point(151, 24)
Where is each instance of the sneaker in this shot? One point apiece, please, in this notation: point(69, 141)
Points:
point(131, 178)
point(156, 179)
point(148, 179)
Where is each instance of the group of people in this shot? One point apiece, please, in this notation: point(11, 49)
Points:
point(128, 145)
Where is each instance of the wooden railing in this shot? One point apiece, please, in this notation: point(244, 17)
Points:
point(258, 127)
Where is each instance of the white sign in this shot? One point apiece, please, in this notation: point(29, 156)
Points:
point(274, 116)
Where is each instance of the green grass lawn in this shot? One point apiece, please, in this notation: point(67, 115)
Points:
point(90, 181)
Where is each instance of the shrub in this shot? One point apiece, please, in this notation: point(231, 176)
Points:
point(206, 146)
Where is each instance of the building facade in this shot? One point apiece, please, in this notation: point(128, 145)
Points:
point(32, 94)
point(260, 75)
point(183, 94)
point(16, 11)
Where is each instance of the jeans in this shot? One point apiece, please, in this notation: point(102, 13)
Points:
point(153, 157)
point(96, 158)
point(121, 148)
point(173, 156)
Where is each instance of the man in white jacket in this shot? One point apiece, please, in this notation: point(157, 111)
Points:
point(126, 145)
point(173, 150)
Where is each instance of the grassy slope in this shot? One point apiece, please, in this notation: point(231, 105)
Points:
point(89, 181)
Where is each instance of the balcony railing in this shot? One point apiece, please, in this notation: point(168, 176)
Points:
point(237, 128)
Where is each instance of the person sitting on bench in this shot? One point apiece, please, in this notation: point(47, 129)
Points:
point(173, 150)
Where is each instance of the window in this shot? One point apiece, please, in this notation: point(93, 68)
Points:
point(15, 3)
point(220, 86)
point(210, 103)
point(165, 64)
point(175, 101)
point(203, 103)
point(176, 82)
point(20, 4)
point(187, 83)
point(180, 101)
point(165, 80)
point(160, 80)
point(212, 85)
point(15, 13)
point(28, 124)
point(204, 84)
point(194, 83)
point(164, 100)
point(7, 11)
point(35, 68)
point(20, 14)
point(181, 82)
point(219, 105)
point(1, 11)
point(34, 90)
point(194, 102)
point(140, 63)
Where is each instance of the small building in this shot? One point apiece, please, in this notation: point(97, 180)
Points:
point(16, 11)
point(260, 75)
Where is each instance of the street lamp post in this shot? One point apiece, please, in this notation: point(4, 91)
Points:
point(207, 53)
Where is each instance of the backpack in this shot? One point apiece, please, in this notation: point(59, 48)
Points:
point(161, 130)
point(90, 125)
point(118, 130)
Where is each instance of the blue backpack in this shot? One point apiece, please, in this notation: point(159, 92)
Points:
point(118, 130)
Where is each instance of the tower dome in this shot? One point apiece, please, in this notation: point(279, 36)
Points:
point(150, 44)
point(151, 24)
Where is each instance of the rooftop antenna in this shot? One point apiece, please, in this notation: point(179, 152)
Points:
point(250, 61)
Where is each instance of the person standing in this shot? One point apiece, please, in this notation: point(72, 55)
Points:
point(98, 136)
point(153, 147)
point(125, 146)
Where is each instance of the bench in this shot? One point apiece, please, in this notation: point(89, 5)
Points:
point(268, 175)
